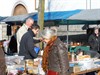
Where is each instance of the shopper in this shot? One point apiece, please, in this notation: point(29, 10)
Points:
point(55, 57)
point(22, 30)
point(94, 40)
point(27, 43)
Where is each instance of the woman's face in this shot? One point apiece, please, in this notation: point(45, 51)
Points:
point(36, 31)
point(96, 31)
point(46, 40)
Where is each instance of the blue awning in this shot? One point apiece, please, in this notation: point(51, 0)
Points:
point(58, 15)
point(54, 16)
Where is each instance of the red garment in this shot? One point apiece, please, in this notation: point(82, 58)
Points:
point(50, 72)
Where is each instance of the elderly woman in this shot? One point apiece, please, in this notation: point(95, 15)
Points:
point(55, 58)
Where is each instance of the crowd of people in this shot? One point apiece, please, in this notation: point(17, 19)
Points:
point(55, 56)
point(23, 43)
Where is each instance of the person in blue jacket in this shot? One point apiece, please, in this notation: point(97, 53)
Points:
point(27, 44)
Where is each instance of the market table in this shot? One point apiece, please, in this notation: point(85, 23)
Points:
point(86, 71)
point(85, 66)
point(16, 65)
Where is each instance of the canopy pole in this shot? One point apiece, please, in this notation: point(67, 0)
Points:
point(67, 35)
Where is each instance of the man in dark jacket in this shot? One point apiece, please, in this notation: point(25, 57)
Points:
point(27, 43)
point(94, 40)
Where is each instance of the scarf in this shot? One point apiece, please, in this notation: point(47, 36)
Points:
point(46, 53)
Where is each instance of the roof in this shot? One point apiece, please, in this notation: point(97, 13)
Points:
point(18, 18)
point(86, 15)
point(57, 15)
point(48, 16)
point(1, 18)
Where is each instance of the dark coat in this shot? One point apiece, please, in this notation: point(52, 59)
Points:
point(94, 42)
point(2, 62)
point(58, 58)
point(13, 44)
point(27, 45)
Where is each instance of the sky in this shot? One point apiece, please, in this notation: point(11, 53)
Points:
point(7, 6)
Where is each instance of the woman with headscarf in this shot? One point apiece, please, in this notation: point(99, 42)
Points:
point(55, 57)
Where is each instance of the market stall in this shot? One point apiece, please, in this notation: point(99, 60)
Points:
point(25, 66)
point(85, 65)
point(16, 65)
point(88, 17)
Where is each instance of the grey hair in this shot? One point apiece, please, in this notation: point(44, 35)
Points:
point(29, 19)
point(48, 33)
